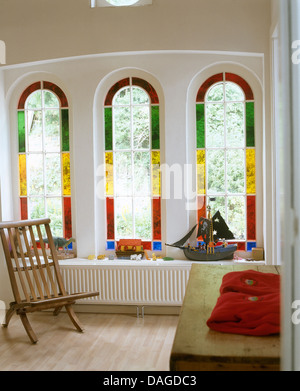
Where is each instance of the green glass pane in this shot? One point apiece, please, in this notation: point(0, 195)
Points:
point(52, 130)
point(141, 127)
point(214, 125)
point(250, 135)
point(235, 164)
point(34, 130)
point(142, 218)
point(216, 93)
point(142, 173)
point(235, 125)
point(34, 101)
point(65, 130)
point(108, 128)
point(50, 99)
point(233, 92)
point(122, 127)
point(200, 123)
point(123, 173)
point(155, 127)
point(21, 131)
point(53, 174)
point(215, 171)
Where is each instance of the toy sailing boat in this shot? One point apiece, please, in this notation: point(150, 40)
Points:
point(211, 230)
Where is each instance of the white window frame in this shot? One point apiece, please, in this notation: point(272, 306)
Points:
point(132, 150)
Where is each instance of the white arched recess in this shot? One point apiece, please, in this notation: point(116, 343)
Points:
point(263, 219)
point(13, 95)
point(99, 147)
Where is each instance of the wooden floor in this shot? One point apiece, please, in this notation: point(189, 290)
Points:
point(111, 342)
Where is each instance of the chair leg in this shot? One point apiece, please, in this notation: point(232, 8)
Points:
point(57, 310)
point(28, 328)
point(8, 316)
point(74, 318)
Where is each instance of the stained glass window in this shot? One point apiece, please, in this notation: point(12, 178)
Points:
point(226, 161)
point(132, 158)
point(44, 156)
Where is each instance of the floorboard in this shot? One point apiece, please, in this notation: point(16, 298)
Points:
point(110, 342)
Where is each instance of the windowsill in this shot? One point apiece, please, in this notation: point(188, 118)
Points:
point(149, 263)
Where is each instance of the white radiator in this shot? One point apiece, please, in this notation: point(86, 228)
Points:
point(127, 285)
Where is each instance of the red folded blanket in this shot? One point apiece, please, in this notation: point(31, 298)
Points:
point(249, 304)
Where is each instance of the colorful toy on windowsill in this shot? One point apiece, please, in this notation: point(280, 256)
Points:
point(128, 247)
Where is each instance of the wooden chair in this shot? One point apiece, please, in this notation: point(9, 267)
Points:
point(35, 279)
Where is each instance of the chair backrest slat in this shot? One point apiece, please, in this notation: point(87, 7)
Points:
point(55, 261)
point(10, 268)
point(32, 264)
point(20, 272)
point(39, 264)
point(25, 266)
point(49, 271)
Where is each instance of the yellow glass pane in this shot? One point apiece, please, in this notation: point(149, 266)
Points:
point(66, 174)
point(251, 176)
point(22, 175)
point(155, 159)
point(109, 170)
point(200, 171)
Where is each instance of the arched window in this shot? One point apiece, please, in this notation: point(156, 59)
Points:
point(226, 154)
point(132, 157)
point(44, 156)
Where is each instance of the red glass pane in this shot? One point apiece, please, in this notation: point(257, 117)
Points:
point(146, 86)
point(242, 83)
point(251, 218)
point(110, 218)
point(241, 246)
point(23, 208)
point(67, 218)
point(205, 86)
point(147, 245)
point(156, 219)
point(201, 210)
point(116, 87)
point(57, 90)
point(29, 90)
point(201, 206)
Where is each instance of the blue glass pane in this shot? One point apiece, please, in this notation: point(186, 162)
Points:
point(110, 245)
point(157, 246)
point(250, 245)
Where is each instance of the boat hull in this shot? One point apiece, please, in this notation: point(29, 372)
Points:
point(219, 254)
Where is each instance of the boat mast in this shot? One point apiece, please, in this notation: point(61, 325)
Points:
point(211, 245)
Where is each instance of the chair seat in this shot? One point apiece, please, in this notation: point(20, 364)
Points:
point(56, 300)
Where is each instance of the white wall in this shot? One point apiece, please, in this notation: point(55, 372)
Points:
point(176, 76)
point(172, 43)
point(35, 30)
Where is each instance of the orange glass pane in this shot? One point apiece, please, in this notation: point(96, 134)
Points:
point(251, 175)
point(155, 157)
point(66, 174)
point(109, 169)
point(200, 171)
point(22, 175)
